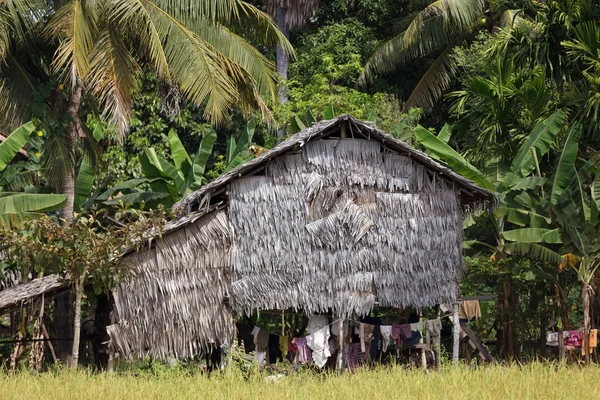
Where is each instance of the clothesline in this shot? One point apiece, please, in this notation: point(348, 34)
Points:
point(275, 334)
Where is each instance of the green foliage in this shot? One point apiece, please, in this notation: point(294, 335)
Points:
point(149, 127)
point(334, 53)
point(329, 62)
point(86, 248)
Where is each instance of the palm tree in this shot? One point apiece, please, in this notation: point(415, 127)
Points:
point(289, 14)
point(96, 49)
point(434, 30)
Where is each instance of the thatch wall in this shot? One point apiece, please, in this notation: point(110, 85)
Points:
point(317, 224)
point(341, 224)
point(174, 307)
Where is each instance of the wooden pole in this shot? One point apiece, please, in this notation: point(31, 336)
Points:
point(50, 346)
point(437, 344)
point(341, 360)
point(455, 334)
point(423, 356)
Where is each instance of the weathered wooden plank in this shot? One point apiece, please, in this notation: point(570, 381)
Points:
point(474, 340)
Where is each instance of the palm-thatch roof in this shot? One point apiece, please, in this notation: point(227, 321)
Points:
point(16, 296)
point(335, 218)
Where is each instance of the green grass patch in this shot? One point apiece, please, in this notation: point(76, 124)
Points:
point(531, 381)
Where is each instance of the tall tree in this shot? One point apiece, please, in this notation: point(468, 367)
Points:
point(96, 49)
point(289, 14)
point(434, 30)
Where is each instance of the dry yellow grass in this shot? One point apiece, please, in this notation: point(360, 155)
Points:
point(533, 381)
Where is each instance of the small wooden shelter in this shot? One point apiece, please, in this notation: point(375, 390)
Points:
point(332, 220)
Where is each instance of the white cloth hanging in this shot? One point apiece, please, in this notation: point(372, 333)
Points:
point(386, 334)
point(318, 339)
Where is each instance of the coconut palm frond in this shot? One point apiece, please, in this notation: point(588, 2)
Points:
point(434, 83)
point(17, 18)
point(18, 85)
point(431, 30)
point(298, 11)
point(195, 65)
point(242, 53)
point(58, 159)
point(112, 78)
point(261, 28)
point(75, 24)
point(132, 15)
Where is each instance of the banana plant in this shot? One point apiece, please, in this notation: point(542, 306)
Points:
point(522, 224)
point(166, 181)
point(18, 207)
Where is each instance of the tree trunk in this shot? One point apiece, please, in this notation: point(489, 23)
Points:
point(543, 333)
point(101, 321)
point(63, 326)
point(283, 59)
point(585, 295)
point(36, 354)
point(79, 283)
point(69, 180)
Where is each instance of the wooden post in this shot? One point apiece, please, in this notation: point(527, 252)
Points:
point(437, 344)
point(343, 129)
point(341, 360)
point(423, 356)
point(50, 346)
point(455, 334)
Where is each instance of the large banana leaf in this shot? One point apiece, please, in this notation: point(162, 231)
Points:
point(537, 144)
point(535, 251)
point(136, 198)
point(180, 156)
point(85, 180)
point(564, 165)
point(124, 186)
point(157, 182)
point(16, 208)
point(239, 159)
point(14, 142)
point(532, 235)
point(454, 160)
point(167, 170)
point(245, 139)
point(530, 182)
point(445, 133)
point(196, 177)
point(231, 145)
point(328, 113)
point(596, 189)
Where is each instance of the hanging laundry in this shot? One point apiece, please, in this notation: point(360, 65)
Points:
point(406, 331)
point(261, 345)
point(353, 355)
point(434, 327)
point(593, 342)
point(335, 328)
point(318, 339)
point(417, 326)
point(397, 335)
point(574, 339)
point(469, 310)
point(552, 338)
point(304, 354)
point(283, 345)
point(366, 336)
point(386, 335)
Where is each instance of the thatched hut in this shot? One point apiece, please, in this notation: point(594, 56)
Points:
point(334, 219)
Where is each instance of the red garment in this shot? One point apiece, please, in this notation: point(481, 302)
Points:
point(574, 339)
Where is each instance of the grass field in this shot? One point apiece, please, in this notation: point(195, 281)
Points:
point(533, 381)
